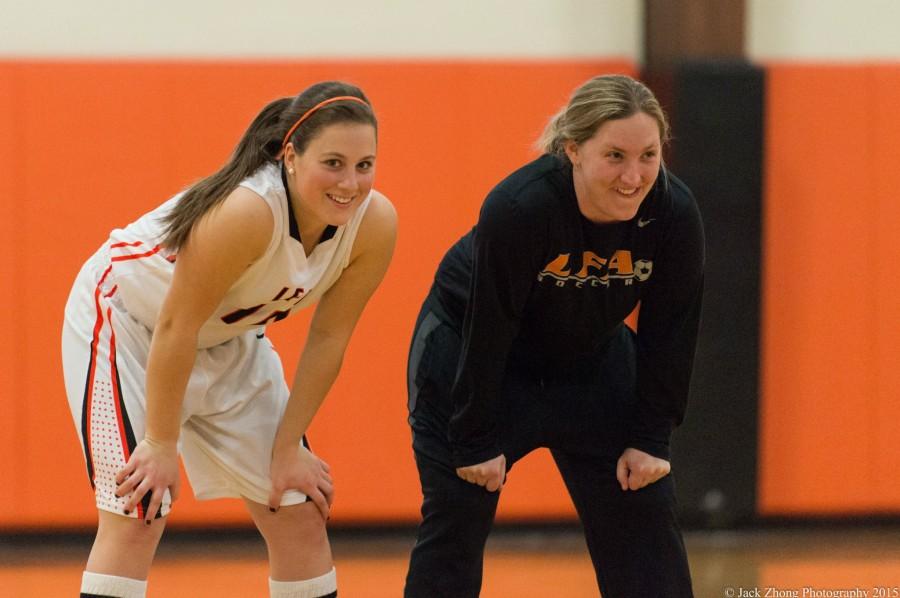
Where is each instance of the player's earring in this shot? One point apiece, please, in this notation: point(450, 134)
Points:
point(290, 171)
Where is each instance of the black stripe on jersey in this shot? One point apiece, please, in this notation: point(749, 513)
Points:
point(305, 442)
point(328, 233)
point(292, 219)
point(84, 417)
point(275, 316)
point(240, 314)
point(129, 432)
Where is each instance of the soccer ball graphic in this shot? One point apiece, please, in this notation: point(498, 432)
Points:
point(642, 269)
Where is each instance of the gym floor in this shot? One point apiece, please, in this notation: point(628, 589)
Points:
point(819, 560)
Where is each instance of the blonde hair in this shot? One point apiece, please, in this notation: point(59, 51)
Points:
point(603, 98)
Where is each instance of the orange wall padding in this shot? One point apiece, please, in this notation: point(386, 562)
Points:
point(89, 146)
point(830, 412)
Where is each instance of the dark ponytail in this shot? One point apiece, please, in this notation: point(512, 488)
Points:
point(261, 144)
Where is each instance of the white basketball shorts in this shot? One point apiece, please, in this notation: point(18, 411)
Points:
point(233, 403)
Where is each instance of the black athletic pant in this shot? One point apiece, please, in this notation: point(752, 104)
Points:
point(633, 537)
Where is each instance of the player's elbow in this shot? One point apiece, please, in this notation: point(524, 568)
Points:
point(175, 327)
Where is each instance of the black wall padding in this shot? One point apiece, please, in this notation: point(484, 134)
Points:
point(717, 150)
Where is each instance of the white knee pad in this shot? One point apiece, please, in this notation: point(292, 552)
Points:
point(308, 588)
point(110, 585)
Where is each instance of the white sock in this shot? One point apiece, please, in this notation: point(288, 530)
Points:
point(308, 588)
point(110, 585)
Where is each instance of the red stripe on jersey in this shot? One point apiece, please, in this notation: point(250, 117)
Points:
point(98, 325)
point(112, 291)
point(125, 244)
point(114, 376)
point(102, 279)
point(122, 258)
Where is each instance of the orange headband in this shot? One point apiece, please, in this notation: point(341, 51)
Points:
point(312, 110)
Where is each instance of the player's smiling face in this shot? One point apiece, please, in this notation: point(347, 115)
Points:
point(334, 174)
point(616, 168)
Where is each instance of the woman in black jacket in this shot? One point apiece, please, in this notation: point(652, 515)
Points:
point(521, 344)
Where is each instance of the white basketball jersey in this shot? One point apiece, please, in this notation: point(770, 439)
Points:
point(282, 280)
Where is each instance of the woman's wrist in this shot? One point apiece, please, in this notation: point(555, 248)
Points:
point(286, 442)
point(161, 444)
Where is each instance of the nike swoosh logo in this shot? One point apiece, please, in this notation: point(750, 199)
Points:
point(642, 223)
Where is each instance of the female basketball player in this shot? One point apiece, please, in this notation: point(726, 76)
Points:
point(164, 349)
point(521, 344)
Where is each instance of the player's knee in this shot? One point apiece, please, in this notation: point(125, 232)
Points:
point(295, 524)
point(465, 497)
point(129, 532)
point(654, 500)
point(472, 510)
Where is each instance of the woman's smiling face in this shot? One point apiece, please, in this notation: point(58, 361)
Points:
point(335, 173)
point(615, 169)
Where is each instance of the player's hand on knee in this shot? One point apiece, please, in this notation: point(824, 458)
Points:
point(491, 474)
point(297, 468)
point(637, 469)
point(152, 469)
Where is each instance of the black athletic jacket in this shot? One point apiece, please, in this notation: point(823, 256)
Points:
point(536, 284)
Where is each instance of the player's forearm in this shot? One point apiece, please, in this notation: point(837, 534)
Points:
point(318, 368)
point(172, 355)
